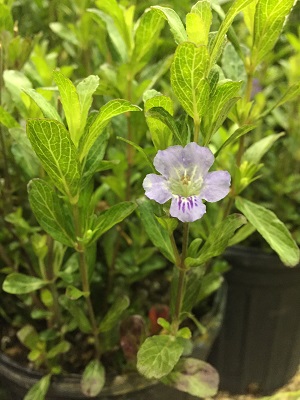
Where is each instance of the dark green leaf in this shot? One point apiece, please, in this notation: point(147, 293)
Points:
point(217, 240)
point(51, 212)
point(114, 314)
point(272, 230)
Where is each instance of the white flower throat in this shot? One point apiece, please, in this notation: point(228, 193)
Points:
point(186, 182)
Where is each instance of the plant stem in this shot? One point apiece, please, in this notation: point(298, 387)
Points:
point(83, 268)
point(196, 129)
point(129, 148)
point(181, 279)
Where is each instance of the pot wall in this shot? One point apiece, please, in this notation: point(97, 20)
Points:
point(258, 349)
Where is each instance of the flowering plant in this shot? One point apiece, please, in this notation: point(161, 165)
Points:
point(87, 259)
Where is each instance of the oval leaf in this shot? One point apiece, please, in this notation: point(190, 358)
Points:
point(17, 283)
point(195, 377)
point(93, 378)
point(158, 355)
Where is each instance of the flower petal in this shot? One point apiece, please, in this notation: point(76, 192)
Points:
point(216, 186)
point(187, 209)
point(156, 188)
point(195, 155)
point(167, 160)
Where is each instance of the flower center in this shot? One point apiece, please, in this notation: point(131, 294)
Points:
point(186, 183)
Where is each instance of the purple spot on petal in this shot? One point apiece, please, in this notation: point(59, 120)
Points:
point(183, 207)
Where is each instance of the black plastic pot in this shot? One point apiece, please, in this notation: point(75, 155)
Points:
point(258, 348)
point(17, 380)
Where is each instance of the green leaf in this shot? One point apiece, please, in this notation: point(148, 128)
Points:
point(6, 19)
point(114, 34)
point(242, 234)
point(17, 283)
point(291, 93)
point(218, 41)
point(7, 119)
point(70, 101)
point(235, 136)
point(163, 116)
point(93, 378)
point(109, 218)
point(271, 229)
point(146, 34)
point(60, 348)
point(74, 294)
point(50, 212)
point(157, 234)
point(158, 355)
point(217, 240)
point(57, 153)
point(114, 314)
point(176, 26)
point(62, 31)
point(108, 111)
point(77, 312)
point(232, 64)
point(224, 98)
point(268, 22)
point(198, 22)
point(160, 133)
point(139, 149)
point(255, 152)
point(28, 336)
point(188, 78)
point(195, 377)
point(117, 13)
point(15, 82)
point(47, 109)
point(39, 390)
point(85, 90)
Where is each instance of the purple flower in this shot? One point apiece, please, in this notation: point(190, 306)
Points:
point(185, 179)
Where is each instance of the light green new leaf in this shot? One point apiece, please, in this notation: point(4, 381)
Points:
point(249, 13)
point(195, 377)
point(7, 119)
point(158, 355)
point(108, 111)
point(217, 240)
point(255, 152)
point(236, 7)
point(109, 218)
point(52, 144)
point(160, 133)
point(39, 390)
point(114, 314)
point(73, 293)
point(17, 283)
point(93, 378)
point(47, 109)
point(269, 19)
point(146, 34)
point(157, 234)
point(70, 101)
point(188, 78)
point(272, 230)
point(113, 32)
point(49, 210)
point(176, 26)
point(116, 12)
point(85, 89)
point(198, 22)
point(6, 19)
